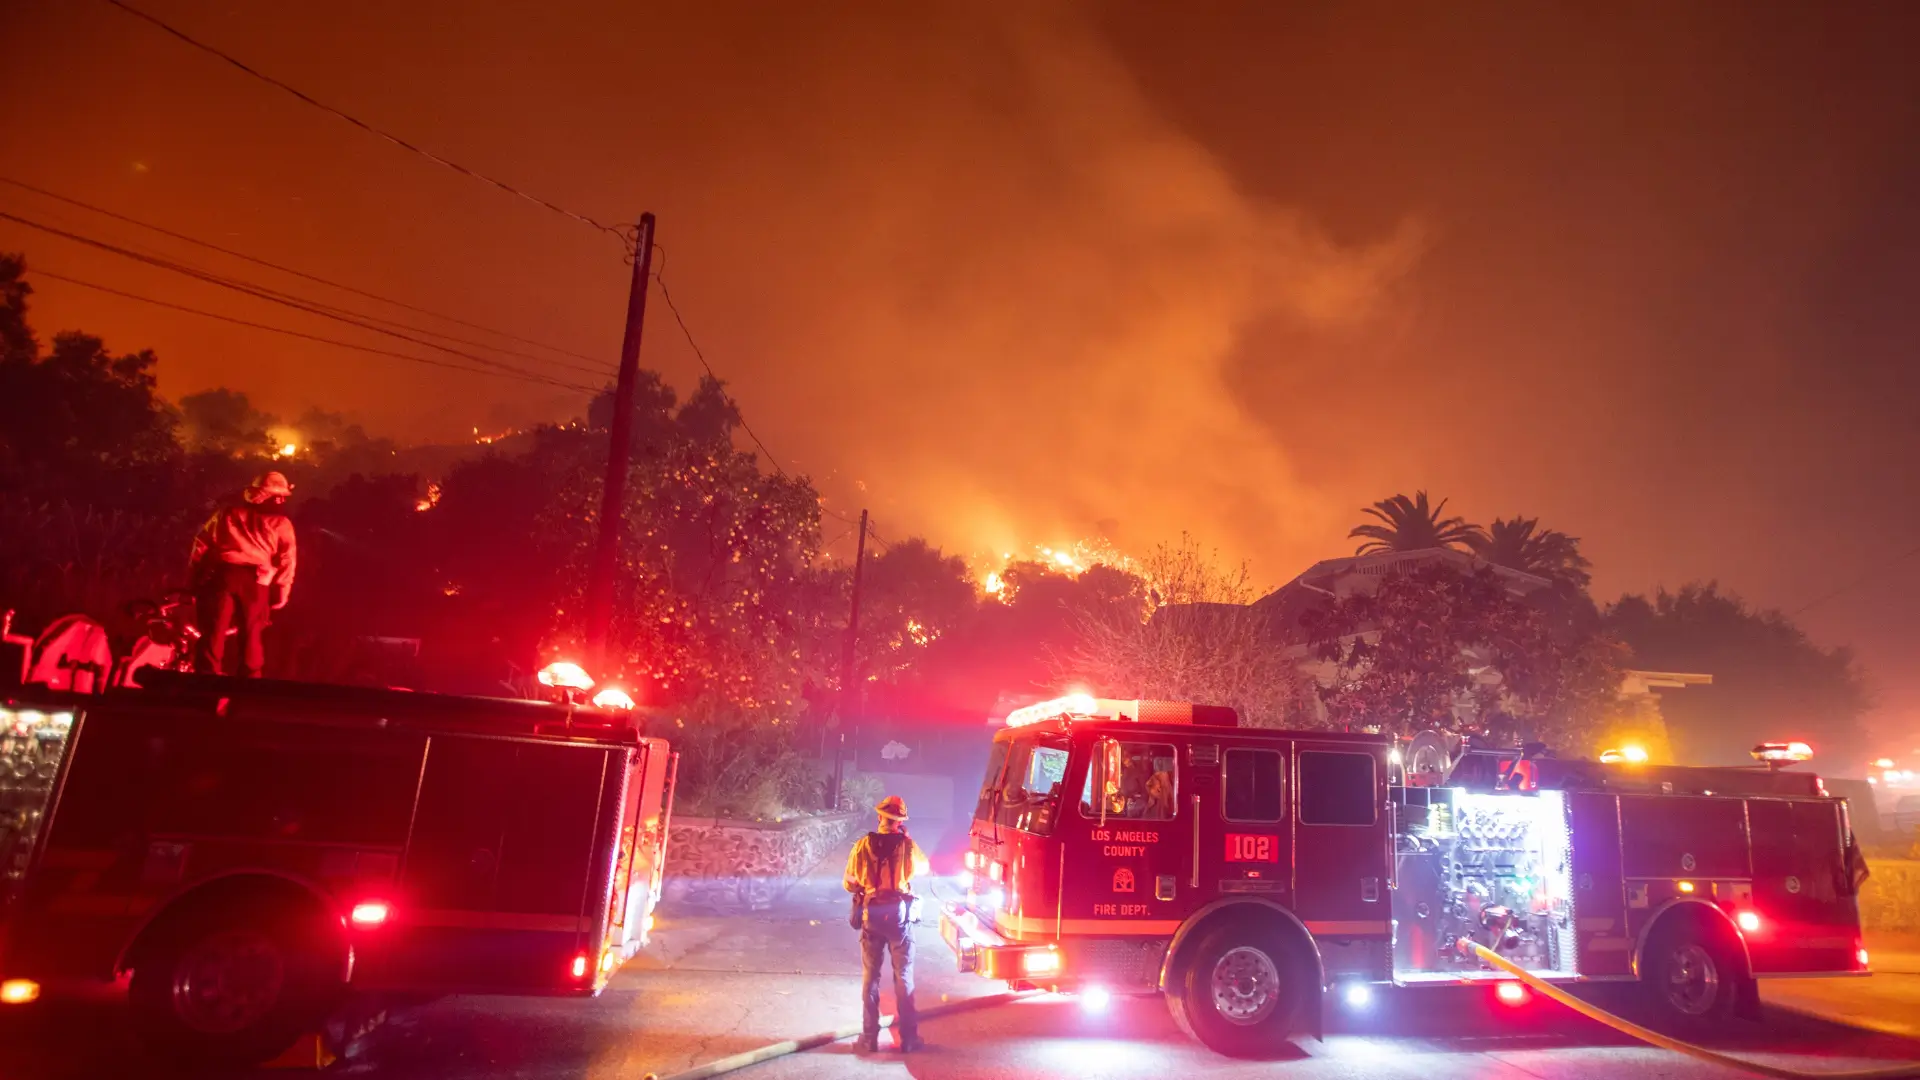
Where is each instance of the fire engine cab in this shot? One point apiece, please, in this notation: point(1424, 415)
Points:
point(1145, 846)
point(236, 856)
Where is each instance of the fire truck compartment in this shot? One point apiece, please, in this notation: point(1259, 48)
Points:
point(33, 742)
point(1492, 868)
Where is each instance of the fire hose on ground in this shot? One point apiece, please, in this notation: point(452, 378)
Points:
point(793, 1046)
point(1909, 1071)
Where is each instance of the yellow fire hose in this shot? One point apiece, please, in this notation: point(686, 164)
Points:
point(1909, 1071)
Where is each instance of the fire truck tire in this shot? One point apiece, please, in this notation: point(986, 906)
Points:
point(1690, 976)
point(225, 985)
point(1239, 991)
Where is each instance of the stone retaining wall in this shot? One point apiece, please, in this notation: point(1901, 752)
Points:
point(1890, 900)
point(733, 866)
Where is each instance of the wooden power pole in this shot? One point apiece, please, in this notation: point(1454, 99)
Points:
point(849, 690)
point(613, 494)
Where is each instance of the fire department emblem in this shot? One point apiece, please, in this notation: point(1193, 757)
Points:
point(1793, 884)
point(1123, 880)
point(1686, 861)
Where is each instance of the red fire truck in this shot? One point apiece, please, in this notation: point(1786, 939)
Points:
point(1141, 846)
point(239, 855)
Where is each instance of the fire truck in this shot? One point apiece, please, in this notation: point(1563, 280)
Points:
point(1246, 874)
point(238, 856)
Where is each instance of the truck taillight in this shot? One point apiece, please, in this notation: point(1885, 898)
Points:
point(995, 871)
point(18, 991)
point(1862, 957)
point(972, 861)
point(369, 915)
point(1749, 921)
point(580, 966)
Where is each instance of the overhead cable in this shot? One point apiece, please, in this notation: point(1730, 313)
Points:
point(602, 369)
point(624, 235)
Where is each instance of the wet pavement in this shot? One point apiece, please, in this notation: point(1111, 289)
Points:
point(711, 985)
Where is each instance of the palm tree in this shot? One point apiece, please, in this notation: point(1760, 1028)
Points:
point(1410, 525)
point(1520, 544)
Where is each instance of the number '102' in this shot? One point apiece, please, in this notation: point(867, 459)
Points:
point(1252, 847)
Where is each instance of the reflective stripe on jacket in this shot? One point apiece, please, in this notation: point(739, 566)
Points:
point(880, 864)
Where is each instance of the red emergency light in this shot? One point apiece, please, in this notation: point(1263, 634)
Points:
point(370, 914)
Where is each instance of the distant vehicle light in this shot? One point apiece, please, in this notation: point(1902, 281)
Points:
point(1684, 886)
point(995, 871)
point(289, 450)
point(966, 880)
point(1357, 995)
point(1511, 993)
point(970, 860)
point(613, 697)
point(370, 914)
point(1040, 962)
point(567, 675)
point(580, 966)
point(1749, 921)
point(1394, 757)
point(1095, 999)
point(1862, 956)
point(18, 991)
point(993, 898)
point(1636, 755)
point(1070, 705)
point(1883, 763)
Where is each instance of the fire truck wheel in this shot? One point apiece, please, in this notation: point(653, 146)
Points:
point(1238, 992)
point(233, 986)
point(1691, 976)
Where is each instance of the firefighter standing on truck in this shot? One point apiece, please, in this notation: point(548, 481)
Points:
point(242, 566)
point(880, 876)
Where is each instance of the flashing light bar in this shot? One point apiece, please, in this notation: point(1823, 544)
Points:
point(1139, 710)
point(1780, 752)
point(1071, 705)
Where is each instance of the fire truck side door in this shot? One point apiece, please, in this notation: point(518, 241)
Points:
point(1122, 833)
point(1340, 839)
point(1800, 886)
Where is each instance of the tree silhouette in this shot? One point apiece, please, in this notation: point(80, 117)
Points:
point(1412, 525)
point(1520, 544)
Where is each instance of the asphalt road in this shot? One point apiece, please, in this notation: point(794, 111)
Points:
point(712, 986)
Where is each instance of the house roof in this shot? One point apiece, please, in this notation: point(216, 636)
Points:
point(1318, 583)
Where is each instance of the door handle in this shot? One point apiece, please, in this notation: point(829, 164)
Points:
point(1370, 890)
point(1194, 882)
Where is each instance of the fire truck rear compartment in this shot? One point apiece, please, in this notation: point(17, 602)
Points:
point(1490, 868)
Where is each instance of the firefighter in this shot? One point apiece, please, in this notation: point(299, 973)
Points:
point(880, 874)
point(242, 567)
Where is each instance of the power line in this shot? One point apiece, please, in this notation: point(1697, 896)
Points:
point(283, 330)
point(283, 299)
point(1854, 583)
point(658, 276)
point(369, 128)
point(757, 441)
point(324, 281)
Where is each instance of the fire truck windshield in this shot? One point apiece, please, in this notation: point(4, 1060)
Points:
point(1029, 796)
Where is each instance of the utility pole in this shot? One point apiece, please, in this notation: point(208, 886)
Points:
point(849, 692)
point(613, 495)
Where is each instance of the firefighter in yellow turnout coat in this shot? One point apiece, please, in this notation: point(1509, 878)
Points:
point(880, 873)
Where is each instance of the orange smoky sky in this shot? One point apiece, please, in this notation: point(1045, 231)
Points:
point(1014, 274)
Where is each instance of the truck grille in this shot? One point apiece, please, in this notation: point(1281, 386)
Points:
point(1121, 962)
